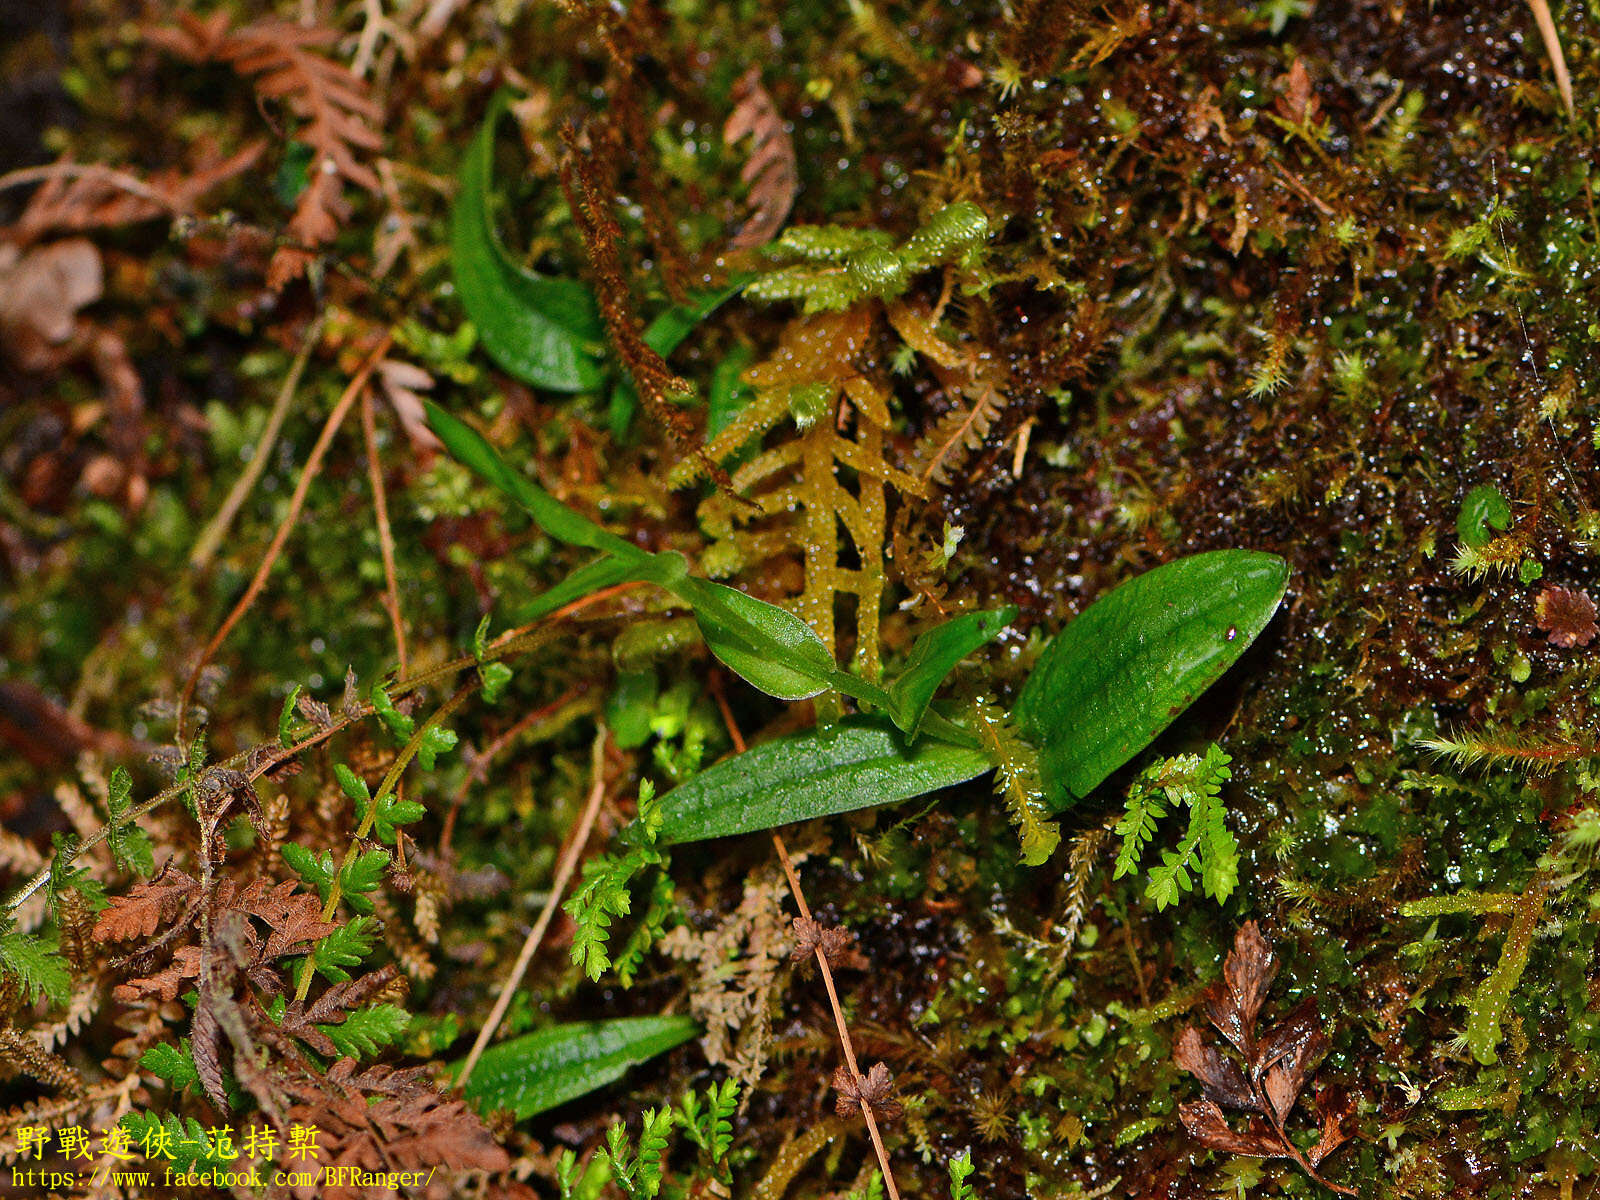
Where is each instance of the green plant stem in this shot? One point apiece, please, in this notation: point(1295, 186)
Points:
point(390, 782)
point(508, 644)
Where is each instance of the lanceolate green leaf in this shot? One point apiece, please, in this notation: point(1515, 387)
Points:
point(1136, 658)
point(562, 523)
point(769, 646)
point(531, 1074)
point(765, 644)
point(544, 330)
point(858, 763)
point(933, 656)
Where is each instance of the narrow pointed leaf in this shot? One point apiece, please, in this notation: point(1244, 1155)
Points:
point(467, 446)
point(541, 1070)
point(933, 656)
point(1136, 658)
point(544, 330)
point(766, 645)
point(857, 763)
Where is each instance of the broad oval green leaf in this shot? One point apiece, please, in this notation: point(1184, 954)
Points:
point(1136, 658)
point(858, 763)
point(933, 656)
point(544, 330)
point(541, 1070)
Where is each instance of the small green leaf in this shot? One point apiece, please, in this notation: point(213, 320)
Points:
point(1484, 509)
point(353, 787)
point(544, 330)
point(933, 656)
point(630, 707)
point(130, 845)
point(345, 947)
point(286, 720)
point(495, 677)
point(541, 1070)
point(1135, 659)
point(362, 876)
point(172, 1064)
point(393, 719)
point(468, 446)
point(188, 1148)
point(605, 571)
point(41, 970)
point(766, 645)
point(860, 762)
point(367, 1030)
point(318, 872)
point(436, 740)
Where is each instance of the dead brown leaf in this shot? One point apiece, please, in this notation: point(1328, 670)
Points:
point(1276, 1065)
point(772, 171)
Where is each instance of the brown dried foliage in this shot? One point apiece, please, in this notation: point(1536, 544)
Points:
point(385, 1119)
point(1567, 615)
point(771, 170)
point(875, 1089)
point(1269, 1072)
point(286, 64)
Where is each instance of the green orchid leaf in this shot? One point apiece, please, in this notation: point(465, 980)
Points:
point(544, 330)
point(666, 333)
point(530, 1074)
point(933, 656)
point(766, 645)
point(860, 762)
point(468, 446)
point(1136, 658)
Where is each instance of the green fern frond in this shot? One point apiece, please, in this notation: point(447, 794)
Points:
point(41, 970)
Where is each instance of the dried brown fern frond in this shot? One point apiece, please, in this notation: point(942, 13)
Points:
point(772, 170)
point(964, 372)
point(75, 197)
point(285, 61)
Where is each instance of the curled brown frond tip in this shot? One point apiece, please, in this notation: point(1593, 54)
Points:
point(835, 944)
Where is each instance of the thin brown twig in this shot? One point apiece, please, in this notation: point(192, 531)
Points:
point(131, 184)
point(206, 545)
point(822, 958)
point(838, 1019)
point(297, 501)
point(564, 873)
point(380, 506)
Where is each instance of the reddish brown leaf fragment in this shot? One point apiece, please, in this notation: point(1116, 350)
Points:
point(1335, 1106)
point(1223, 1080)
point(146, 906)
point(875, 1088)
point(772, 171)
point(1567, 615)
point(1206, 1124)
